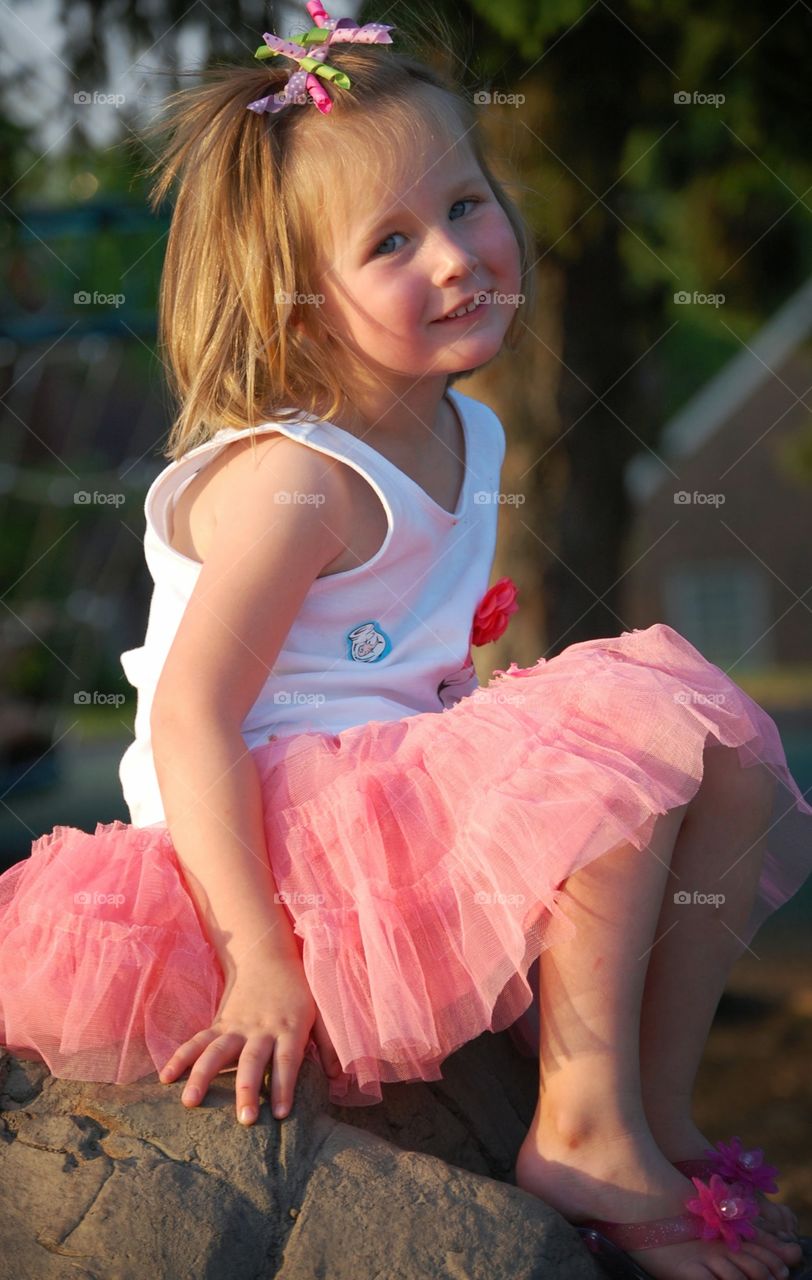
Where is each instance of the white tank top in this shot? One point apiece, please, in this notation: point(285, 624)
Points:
point(387, 639)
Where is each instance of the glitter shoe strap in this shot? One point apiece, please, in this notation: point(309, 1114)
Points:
point(648, 1235)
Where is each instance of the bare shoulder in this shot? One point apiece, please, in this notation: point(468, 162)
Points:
point(276, 473)
point(275, 464)
point(246, 466)
point(277, 523)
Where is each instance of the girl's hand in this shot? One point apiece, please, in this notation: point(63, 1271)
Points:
point(266, 1012)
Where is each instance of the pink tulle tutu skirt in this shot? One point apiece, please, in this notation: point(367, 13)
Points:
point(422, 863)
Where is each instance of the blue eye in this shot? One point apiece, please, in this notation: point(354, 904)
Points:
point(375, 254)
point(467, 200)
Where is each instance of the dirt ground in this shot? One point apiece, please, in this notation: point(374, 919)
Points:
point(754, 1080)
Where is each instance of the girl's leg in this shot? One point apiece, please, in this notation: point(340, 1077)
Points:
point(591, 989)
point(589, 1151)
point(719, 850)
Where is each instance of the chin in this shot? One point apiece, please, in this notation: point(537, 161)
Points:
point(466, 373)
point(487, 352)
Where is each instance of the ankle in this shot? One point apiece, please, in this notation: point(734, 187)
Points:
point(579, 1122)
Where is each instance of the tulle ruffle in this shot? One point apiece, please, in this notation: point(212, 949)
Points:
point(422, 863)
point(429, 854)
point(104, 964)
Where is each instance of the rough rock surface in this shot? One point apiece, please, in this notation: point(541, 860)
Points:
point(122, 1182)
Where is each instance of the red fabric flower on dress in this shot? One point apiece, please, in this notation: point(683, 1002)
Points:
point(725, 1212)
point(494, 612)
point(737, 1165)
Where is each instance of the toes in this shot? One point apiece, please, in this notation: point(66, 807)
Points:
point(726, 1269)
point(706, 1269)
point(789, 1219)
point(771, 1227)
point(755, 1268)
point(770, 1262)
point(788, 1252)
point(780, 1218)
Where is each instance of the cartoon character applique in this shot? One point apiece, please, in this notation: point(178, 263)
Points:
point(368, 642)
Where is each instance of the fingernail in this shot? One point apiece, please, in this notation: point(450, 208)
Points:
point(279, 1109)
point(191, 1095)
point(246, 1115)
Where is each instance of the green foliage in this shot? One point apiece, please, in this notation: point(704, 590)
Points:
point(527, 25)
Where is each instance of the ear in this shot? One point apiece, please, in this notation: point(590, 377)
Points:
point(299, 324)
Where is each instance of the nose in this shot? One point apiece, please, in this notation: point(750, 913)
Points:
point(451, 258)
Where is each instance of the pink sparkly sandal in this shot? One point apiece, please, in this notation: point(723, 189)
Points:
point(717, 1210)
point(739, 1168)
point(734, 1164)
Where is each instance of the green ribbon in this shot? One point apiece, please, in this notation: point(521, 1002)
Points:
point(310, 64)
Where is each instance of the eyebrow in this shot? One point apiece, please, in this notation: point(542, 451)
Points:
point(371, 228)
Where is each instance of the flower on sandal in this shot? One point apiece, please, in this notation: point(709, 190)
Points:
point(726, 1211)
point(494, 612)
point(737, 1165)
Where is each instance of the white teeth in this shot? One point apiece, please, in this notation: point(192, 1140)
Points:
point(472, 306)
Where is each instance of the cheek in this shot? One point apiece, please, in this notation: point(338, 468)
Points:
point(500, 244)
point(376, 306)
point(346, 305)
point(389, 297)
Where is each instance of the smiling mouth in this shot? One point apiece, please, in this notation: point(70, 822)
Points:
point(472, 308)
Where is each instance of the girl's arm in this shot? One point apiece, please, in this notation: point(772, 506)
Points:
point(213, 807)
point(265, 554)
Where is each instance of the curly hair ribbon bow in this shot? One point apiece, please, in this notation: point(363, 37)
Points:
point(311, 60)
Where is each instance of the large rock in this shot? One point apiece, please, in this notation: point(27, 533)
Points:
point(122, 1182)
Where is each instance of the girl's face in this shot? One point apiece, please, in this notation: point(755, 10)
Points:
point(405, 258)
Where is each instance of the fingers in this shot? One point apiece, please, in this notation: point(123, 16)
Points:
point(217, 1054)
point(208, 1053)
point(287, 1059)
point(250, 1074)
point(187, 1053)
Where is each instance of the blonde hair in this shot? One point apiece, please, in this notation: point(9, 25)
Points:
point(244, 240)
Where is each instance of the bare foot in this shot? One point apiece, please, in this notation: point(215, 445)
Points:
point(626, 1178)
point(683, 1141)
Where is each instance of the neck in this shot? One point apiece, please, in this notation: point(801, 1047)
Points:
point(409, 414)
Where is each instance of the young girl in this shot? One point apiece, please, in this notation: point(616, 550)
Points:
point(341, 846)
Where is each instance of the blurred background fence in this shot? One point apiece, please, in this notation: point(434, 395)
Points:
point(83, 410)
